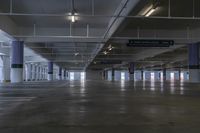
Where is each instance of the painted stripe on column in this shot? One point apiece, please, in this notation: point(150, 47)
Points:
point(17, 66)
point(50, 72)
point(194, 67)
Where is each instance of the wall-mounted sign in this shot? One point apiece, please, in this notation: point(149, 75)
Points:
point(150, 43)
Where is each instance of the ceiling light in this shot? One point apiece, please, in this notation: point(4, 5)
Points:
point(105, 52)
point(73, 13)
point(76, 54)
point(72, 16)
point(150, 12)
point(110, 47)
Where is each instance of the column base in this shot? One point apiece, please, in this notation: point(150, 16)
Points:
point(131, 77)
point(194, 75)
point(60, 78)
point(50, 77)
point(16, 75)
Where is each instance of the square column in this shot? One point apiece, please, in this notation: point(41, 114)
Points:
point(50, 71)
point(28, 72)
point(113, 74)
point(33, 72)
point(65, 75)
point(6, 69)
point(131, 71)
point(194, 75)
point(60, 73)
point(17, 61)
point(164, 74)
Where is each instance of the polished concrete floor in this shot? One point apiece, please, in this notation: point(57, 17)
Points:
point(100, 107)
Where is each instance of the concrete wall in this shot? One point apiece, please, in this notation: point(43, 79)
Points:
point(94, 75)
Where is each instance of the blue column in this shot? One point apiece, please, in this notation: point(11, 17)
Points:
point(164, 74)
point(113, 74)
point(194, 62)
point(50, 70)
point(131, 71)
point(17, 61)
point(142, 75)
point(65, 75)
point(104, 74)
point(60, 73)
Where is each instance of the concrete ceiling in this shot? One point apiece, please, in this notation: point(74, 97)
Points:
point(181, 25)
point(46, 29)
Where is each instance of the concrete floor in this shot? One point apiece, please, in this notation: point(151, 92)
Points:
point(100, 107)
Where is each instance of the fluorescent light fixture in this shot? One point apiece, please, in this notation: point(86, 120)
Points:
point(73, 20)
point(76, 54)
point(105, 52)
point(150, 12)
point(110, 47)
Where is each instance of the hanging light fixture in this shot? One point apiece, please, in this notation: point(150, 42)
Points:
point(73, 16)
point(73, 13)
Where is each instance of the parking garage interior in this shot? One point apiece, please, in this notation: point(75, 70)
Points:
point(99, 66)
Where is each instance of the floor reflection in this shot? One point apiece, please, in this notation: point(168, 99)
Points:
point(82, 89)
point(172, 87)
point(122, 83)
point(144, 85)
point(152, 85)
point(182, 87)
point(162, 86)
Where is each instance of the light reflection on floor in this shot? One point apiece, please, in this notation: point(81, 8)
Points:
point(122, 85)
point(82, 88)
point(152, 85)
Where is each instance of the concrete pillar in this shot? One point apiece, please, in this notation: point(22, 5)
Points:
point(40, 73)
point(104, 74)
point(6, 69)
point(37, 72)
point(67, 75)
point(17, 61)
point(64, 74)
point(179, 74)
point(113, 74)
point(28, 72)
point(142, 75)
point(50, 71)
point(40, 77)
point(194, 75)
point(45, 73)
point(131, 71)
point(33, 72)
point(164, 74)
point(60, 73)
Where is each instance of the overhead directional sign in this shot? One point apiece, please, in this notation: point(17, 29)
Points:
point(150, 43)
point(111, 62)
